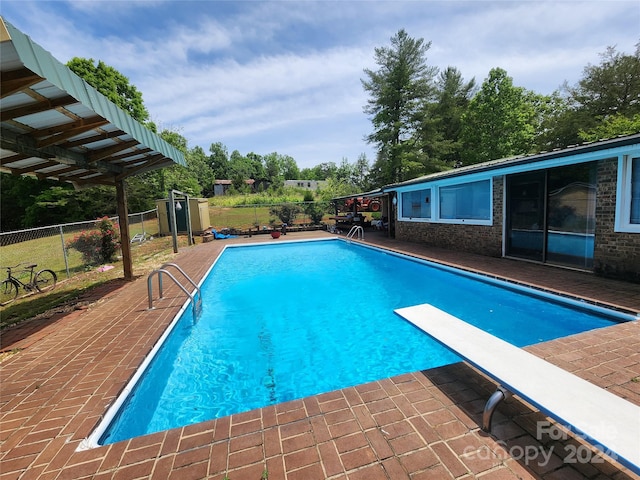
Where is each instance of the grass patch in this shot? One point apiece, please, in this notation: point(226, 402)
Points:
point(258, 199)
point(65, 295)
point(49, 247)
point(68, 293)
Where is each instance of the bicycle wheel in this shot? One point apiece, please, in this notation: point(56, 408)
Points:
point(8, 291)
point(45, 280)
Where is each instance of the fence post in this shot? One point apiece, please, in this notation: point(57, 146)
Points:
point(64, 253)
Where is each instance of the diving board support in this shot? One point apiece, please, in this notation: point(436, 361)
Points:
point(498, 396)
point(608, 422)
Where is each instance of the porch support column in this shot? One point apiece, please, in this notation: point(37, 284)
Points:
point(125, 239)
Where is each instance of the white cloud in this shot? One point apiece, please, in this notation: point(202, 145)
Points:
point(540, 44)
point(285, 76)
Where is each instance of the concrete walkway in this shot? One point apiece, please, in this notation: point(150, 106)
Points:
point(420, 425)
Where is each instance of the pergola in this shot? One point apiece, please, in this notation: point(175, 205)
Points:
point(55, 126)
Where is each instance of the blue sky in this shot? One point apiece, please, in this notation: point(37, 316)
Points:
point(285, 76)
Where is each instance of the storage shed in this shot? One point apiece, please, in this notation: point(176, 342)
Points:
point(198, 210)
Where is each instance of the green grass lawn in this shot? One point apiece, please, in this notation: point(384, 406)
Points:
point(48, 252)
point(146, 257)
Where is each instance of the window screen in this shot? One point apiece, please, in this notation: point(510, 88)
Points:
point(468, 201)
point(416, 204)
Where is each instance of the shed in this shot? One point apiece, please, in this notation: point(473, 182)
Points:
point(198, 214)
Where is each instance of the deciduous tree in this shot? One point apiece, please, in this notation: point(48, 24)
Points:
point(198, 165)
point(219, 161)
point(500, 121)
point(112, 84)
point(612, 126)
point(603, 102)
point(610, 88)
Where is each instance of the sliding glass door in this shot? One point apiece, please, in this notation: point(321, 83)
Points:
point(551, 215)
point(571, 215)
point(526, 215)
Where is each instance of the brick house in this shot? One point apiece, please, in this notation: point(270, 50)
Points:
point(577, 207)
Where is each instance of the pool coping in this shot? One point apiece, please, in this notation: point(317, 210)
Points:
point(93, 440)
point(55, 391)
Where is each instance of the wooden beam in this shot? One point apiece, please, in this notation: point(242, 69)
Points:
point(124, 157)
point(87, 123)
point(12, 158)
point(69, 131)
point(101, 180)
point(107, 152)
point(17, 81)
point(24, 144)
point(93, 138)
point(149, 164)
point(33, 168)
point(61, 171)
point(125, 238)
point(37, 107)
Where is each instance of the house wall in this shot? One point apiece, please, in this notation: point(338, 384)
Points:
point(312, 185)
point(218, 190)
point(481, 239)
point(616, 254)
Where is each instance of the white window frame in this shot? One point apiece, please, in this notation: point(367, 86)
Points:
point(623, 195)
point(416, 219)
point(468, 221)
point(435, 203)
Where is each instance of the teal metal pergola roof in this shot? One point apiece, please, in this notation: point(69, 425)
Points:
point(54, 125)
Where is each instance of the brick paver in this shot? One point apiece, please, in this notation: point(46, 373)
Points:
point(419, 425)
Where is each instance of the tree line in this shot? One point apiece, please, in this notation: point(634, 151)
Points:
point(424, 120)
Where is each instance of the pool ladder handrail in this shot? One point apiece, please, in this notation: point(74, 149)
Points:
point(196, 299)
point(356, 230)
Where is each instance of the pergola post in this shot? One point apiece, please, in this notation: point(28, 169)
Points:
point(125, 238)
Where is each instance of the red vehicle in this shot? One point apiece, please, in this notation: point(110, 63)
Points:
point(365, 204)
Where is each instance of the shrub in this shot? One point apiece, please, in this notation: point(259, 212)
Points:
point(286, 212)
point(315, 211)
point(98, 245)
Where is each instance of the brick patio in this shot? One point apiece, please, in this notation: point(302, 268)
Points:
point(421, 425)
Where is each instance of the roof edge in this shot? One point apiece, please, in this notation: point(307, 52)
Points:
point(621, 141)
point(45, 65)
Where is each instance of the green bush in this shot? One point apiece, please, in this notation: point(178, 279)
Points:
point(315, 211)
point(98, 245)
point(286, 212)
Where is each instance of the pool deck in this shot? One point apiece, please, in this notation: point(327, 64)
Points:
point(421, 425)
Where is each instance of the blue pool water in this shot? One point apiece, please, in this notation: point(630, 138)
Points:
point(285, 321)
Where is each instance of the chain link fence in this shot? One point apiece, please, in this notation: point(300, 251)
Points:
point(244, 218)
point(48, 246)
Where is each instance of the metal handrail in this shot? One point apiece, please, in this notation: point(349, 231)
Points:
point(169, 264)
point(356, 229)
point(196, 299)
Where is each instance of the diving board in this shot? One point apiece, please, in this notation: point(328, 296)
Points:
point(609, 422)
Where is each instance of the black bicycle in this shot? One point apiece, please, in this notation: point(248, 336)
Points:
point(41, 281)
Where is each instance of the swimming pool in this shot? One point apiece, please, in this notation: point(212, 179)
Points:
point(289, 320)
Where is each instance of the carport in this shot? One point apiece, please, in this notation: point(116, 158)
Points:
point(56, 126)
point(387, 200)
